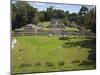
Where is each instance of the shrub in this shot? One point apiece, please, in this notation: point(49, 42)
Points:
point(63, 38)
point(38, 64)
point(20, 50)
point(25, 65)
point(86, 62)
point(76, 61)
point(61, 63)
point(49, 64)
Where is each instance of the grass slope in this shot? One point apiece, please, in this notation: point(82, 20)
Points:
point(44, 24)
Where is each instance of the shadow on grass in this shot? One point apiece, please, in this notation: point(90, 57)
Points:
point(38, 64)
point(76, 61)
point(49, 64)
point(87, 43)
point(70, 44)
point(91, 60)
point(25, 65)
point(61, 63)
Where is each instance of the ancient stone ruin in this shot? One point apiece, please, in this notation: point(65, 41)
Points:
point(31, 28)
point(56, 23)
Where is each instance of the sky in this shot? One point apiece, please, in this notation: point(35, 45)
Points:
point(65, 7)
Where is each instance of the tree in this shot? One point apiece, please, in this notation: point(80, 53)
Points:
point(82, 15)
point(66, 22)
point(66, 14)
point(14, 16)
point(41, 16)
point(48, 14)
point(73, 17)
point(91, 20)
point(36, 19)
point(59, 14)
point(22, 14)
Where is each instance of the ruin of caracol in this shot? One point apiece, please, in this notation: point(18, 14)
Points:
point(56, 23)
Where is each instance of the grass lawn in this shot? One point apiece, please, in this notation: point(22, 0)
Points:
point(47, 53)
point(72, 29)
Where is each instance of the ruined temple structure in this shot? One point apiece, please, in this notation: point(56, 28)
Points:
point(31, 27)
point(56, 23)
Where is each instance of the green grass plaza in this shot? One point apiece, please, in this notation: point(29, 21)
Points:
point(46, 54)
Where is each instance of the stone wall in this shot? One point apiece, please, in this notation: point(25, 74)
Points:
point(57, 32)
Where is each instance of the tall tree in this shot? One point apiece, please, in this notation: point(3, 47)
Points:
point(82, 14)
point(14, 25)
point(22, 14)
point(60, 14)
point(73, 17)
point(91, 19)
point(88, 17)
point(48, 14)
